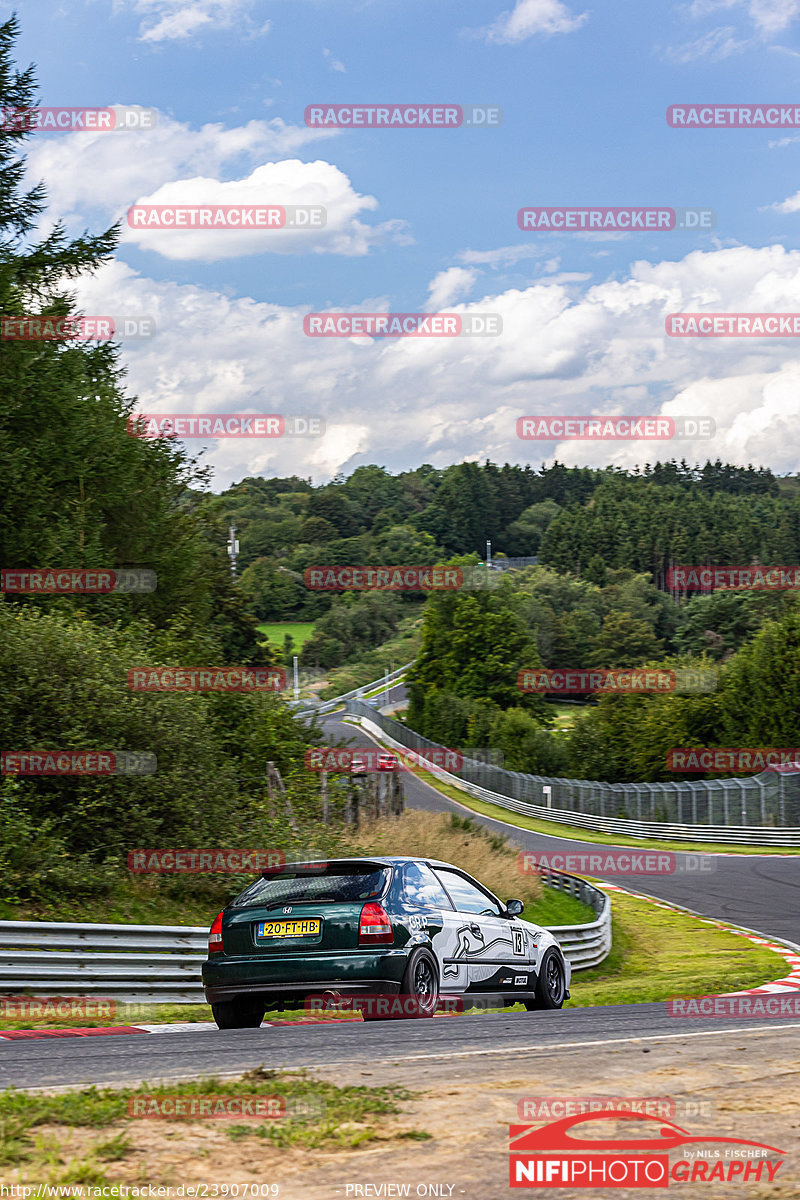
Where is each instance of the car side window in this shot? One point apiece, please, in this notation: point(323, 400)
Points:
point(422, 889)
point(468, 897)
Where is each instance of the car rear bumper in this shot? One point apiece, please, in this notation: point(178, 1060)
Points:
point(349, 974)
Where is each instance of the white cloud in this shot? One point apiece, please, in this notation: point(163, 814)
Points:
point(531, 17)
point(289, 182)
point(178, 20)
point(790, 205)
point(716, 45)
point(768, 16)
point(598, 349)
point(501, 256)
point(334, 63)
point(449, 286)
point(118, 167)
point(773, 16)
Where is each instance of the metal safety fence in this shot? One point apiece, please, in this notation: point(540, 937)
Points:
point(160, 964)
point(763, 809)
point(329, 705)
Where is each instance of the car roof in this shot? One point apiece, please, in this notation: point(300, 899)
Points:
point(388, 860)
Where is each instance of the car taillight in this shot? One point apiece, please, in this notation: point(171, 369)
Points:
point(215, 936)
point(375, 928)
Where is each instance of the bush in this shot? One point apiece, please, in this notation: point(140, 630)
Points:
point(63, 686)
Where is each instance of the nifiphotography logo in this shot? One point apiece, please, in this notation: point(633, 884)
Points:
point(552, 1156)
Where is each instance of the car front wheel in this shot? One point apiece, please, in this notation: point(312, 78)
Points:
point(551, 986)
point(239, 1013)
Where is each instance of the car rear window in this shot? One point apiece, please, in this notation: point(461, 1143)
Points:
point(338, 885)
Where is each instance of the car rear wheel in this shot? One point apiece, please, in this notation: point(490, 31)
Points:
point(551, 986)
point(239, 1013)
point(419, 991)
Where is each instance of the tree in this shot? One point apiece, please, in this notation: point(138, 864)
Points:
point(79, 490)
point(624, 641)
point(474, 644)
point(761, 686)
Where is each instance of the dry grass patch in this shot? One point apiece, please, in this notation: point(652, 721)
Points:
point(454, 839)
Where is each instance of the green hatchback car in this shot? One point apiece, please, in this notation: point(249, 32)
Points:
point(384, 926)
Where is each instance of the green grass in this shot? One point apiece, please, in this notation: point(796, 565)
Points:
point(658, 954)
point(299, 632)
point(129, 904)
point(317, 1114)
point(559, 908)
point(378, 690)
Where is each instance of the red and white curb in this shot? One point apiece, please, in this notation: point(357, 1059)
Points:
point(789, 983)
point(14, 1035)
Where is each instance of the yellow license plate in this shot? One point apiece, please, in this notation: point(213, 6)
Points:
point(308, 927)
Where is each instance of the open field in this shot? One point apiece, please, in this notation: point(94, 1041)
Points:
point(276, 631)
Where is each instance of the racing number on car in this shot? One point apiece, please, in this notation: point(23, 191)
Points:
point(519, 941)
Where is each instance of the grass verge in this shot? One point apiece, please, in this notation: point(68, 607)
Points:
point(36, 1129)
point(658, 953)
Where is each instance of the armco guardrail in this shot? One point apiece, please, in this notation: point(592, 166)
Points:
point(330, 705)
point(583, 945)
point(148, 963)
point(155, 964)
point(740, 803)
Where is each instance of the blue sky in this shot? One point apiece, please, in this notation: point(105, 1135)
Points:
point(427, 219)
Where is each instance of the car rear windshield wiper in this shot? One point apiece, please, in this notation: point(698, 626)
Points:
point(300, 900)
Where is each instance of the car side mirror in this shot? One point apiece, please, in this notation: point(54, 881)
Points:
point(514, 908)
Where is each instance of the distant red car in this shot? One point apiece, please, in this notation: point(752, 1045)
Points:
point(360, 764)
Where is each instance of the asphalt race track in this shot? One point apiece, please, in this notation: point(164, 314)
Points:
point(760, 892)
point(187, 1055)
